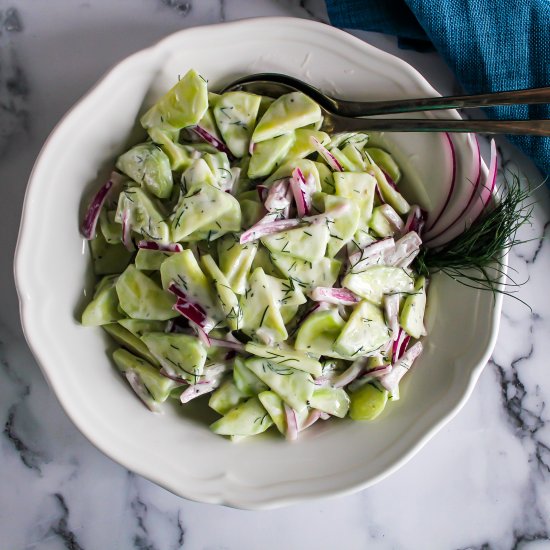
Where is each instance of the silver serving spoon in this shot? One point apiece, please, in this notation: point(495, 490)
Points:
point(340, 115)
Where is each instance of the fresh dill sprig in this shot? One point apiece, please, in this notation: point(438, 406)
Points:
point(475, 257)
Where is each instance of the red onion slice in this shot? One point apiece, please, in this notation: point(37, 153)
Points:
point(127, 230)
point(481, 199)
point(213, 140)
point(330, 159)
point(278, 198)
point(300, 191)
point(312, 417)
point(405, 251)
point(260, 229)
point(391, 380)
point(89, 223)
point(340, 296)
point(415, 220)
point(371, 254)
point(391, 312)
point(394, 219)
point(153, 245)
point(291, 423)
point(237, 346)
point(349, 375)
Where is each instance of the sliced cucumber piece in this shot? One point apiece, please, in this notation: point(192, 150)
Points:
point(326, 178)
point(235, 114)
point(367, 402)
point(129, 341)
point(226, 397)
point(145, 214)
point(220, 168)
point(183, 269)
point(112, 231)
point(302, 146)
point(248, 418)
point(261, 315)
point(141, 298)
point(245, 380)
point(150, 260)
point(380, 224)
point(157, 385)
point(180, 355)
point(342, 227)
point(203, 207)
point(285, 114)
point(264, 260)
point(268, 154)
point(274, 405)
point(385, 161)
point(227, 299)
point(286, 292)
point(359, 187)
point(358, 139)
point(319, 332)
point(103, 309)
point(305, 274)
point(393, 197)
point(412, 313)
point(333, 401)
point(308, 243)
point(138, 327)
point(197, 174)
point(286, 356)
point(108, 259)
point(183, 105)
point(293, 386)
point(180, 157)
point(375, 281)
point(150, 167)
point(365, 331)
point(236, 261)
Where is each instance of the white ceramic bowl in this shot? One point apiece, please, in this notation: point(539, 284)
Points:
point(176, 450)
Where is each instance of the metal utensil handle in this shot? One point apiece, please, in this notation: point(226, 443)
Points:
point(528, 127)
point(515, 97)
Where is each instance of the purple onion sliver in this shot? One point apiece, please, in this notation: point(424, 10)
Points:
point(218, 342)
point(390, 181)
point(213, 140)
point(311, 418)
point(89, 223)
point(291, 423)
point(153, 245)
point(267, 228)
point(330, 159)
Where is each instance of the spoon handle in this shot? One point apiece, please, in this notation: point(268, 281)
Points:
point(517, 127)
point(515, 97)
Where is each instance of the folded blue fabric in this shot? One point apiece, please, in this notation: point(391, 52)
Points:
point(491, 45)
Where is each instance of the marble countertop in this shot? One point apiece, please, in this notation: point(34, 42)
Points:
point(482, 483)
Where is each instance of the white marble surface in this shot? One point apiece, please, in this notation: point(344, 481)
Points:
point(482, 483)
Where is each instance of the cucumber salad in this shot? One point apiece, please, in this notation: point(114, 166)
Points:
point(247, 258)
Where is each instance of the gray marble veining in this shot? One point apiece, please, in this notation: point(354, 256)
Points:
point(482, 483)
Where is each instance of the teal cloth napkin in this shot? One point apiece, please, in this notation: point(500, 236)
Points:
point(491, 45)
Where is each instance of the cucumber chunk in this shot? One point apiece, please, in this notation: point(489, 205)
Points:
point(385, 161)
point(220, 168)
point(108, 259)
point(183, 105)
point(227, 299)
point(380, 224)
point(150, 167)
point(393, 197)
point(294, 387)
point(412, 313)
point(103, 309)
point(373, 282)
point(248, 418)
point(112, 231)
point(334, 401)
point(365, 331)
point(226, 397)
point(158, 386)
point(129, 341)
point(286, 292)
point(261, 314)
point(319, 332)
point(150, 260)
point(283, 355)
point(178, 155)
point(138, 327)
point(302, 146)
point(274, 405)
point(198, 173)
point(183, 269)
point(305, 274)
point(236, 261)
point(145, 214)
point(235, 114)
point(203, 208)
point(367, 402)
point(141, 298)
point(285, 114)
point(180, 355)
point(360, 188)
point(308, 243)
point(269, 154)
point(245, 380)
point(353, 155)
